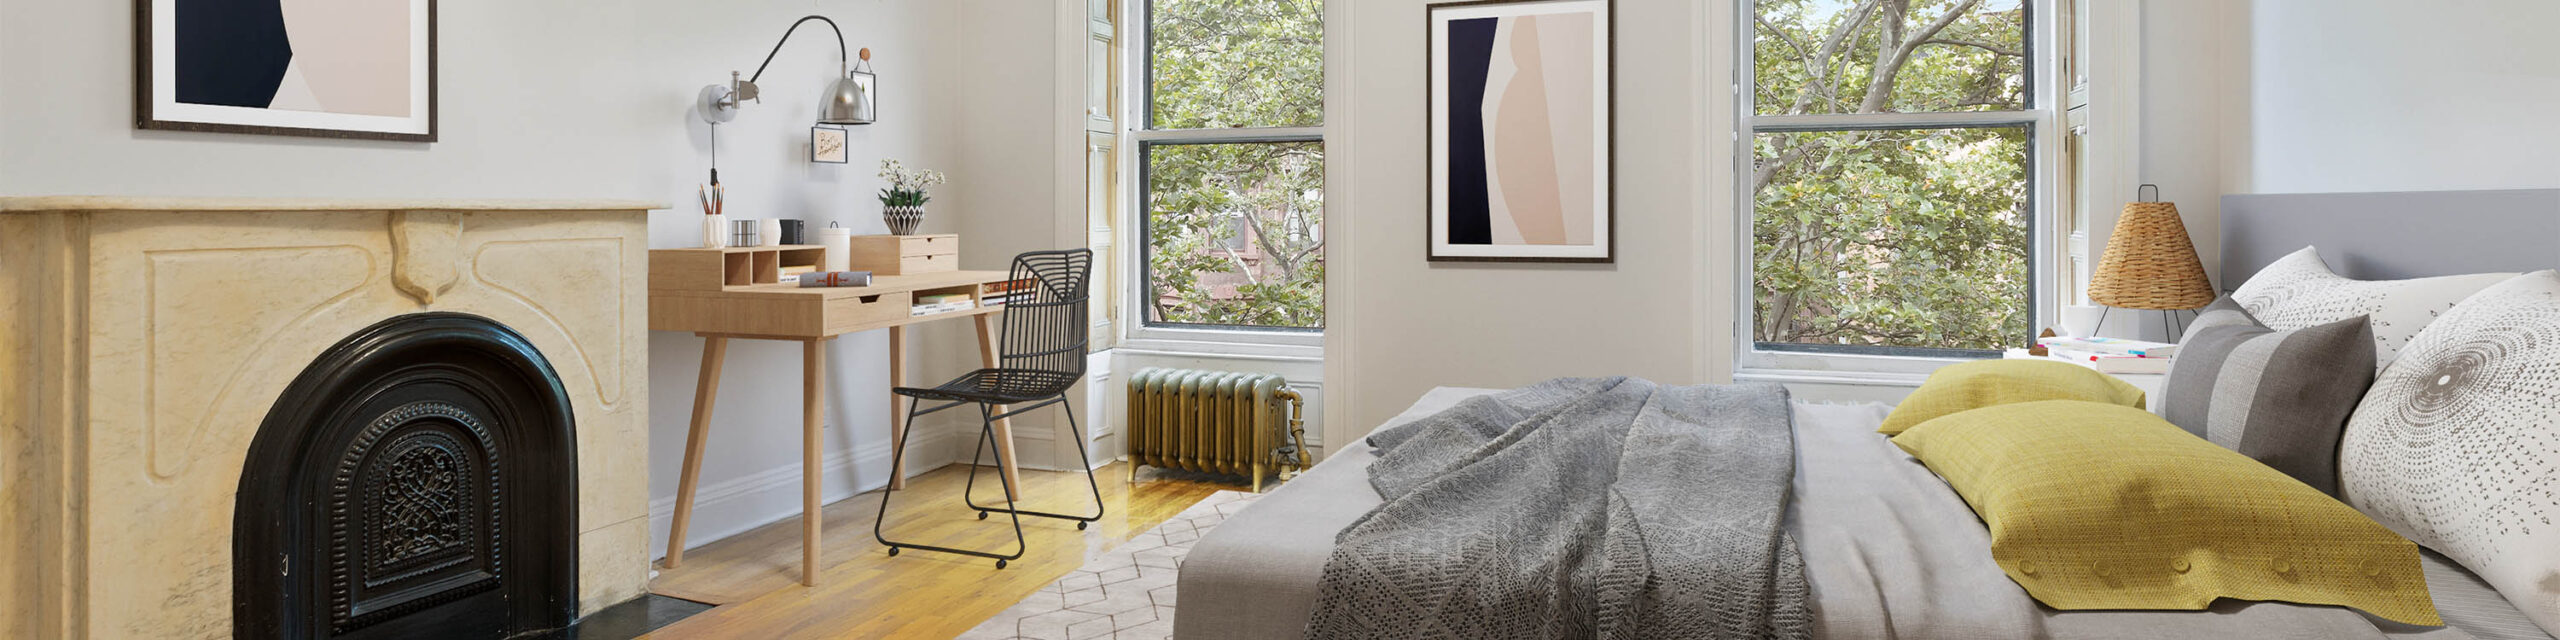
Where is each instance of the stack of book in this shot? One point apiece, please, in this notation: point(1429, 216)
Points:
point(999, 293)
point(2112, 355)
point(941, 303)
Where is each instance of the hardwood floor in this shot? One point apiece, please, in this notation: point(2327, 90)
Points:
point(865, 593)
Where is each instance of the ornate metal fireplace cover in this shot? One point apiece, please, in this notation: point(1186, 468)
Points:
point(418, 480)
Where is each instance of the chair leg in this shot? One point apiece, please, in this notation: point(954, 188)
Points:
point(986, 428)
point(1074, 431)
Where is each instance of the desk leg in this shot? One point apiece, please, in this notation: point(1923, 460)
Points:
point(897, 410)
point(813, 440)
point(1010, 468)
point(706, 388)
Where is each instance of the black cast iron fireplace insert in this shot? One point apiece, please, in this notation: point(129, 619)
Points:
point(418, 480)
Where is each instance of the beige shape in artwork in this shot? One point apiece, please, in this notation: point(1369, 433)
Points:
point(294, 92)
point(1571, 88)
point(352, 54)
point(1500, 71)
point(1523, 143)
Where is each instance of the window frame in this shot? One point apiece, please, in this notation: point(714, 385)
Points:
point(2041, 117)
point(1141, 139)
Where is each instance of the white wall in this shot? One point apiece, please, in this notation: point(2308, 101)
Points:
point(575, 99)
point(2388, 95)
point(2191, 91)
point(1401, 325)
point(2309, 96)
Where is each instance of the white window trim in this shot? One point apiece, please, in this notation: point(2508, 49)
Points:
point(1138, 137)
point(2044, 116)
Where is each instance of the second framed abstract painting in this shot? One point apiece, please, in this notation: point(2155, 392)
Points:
point(1521, 127)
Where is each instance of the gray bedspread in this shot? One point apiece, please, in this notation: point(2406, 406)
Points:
point(1890, 551)
point(1577, 508)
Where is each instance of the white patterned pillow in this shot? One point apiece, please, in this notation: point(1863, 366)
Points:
point(2299, 291)
point(2457, 446)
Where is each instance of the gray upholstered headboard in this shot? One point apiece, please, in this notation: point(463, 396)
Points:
point(2388, 236)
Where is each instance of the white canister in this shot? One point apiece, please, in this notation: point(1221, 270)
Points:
point(839, 243)
point(770, 231)
point(715, 231)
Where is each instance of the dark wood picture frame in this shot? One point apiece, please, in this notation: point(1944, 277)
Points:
point(145, 117)
point(1431, 141)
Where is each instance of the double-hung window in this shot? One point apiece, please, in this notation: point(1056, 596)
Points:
point(1890, 188)
point(1229, 142)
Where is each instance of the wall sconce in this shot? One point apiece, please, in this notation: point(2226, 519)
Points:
point(848, 100)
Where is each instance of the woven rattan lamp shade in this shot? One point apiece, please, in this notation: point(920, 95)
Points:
point(2150, 263)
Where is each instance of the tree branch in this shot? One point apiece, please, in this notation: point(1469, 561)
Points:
point(1978, 45)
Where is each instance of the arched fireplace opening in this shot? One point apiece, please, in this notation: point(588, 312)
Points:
point(419, 479)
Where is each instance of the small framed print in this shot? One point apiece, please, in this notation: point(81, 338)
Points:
point(826, 144)
point(1520, 131)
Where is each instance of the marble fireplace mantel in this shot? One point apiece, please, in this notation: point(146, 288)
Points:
point(143, 340)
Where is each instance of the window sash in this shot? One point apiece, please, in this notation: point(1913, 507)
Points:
point(2035, 223)
point(1144, 135)
point(1756, 358)
point(1146, 326)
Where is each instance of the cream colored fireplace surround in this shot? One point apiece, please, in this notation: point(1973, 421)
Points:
point(142, 341)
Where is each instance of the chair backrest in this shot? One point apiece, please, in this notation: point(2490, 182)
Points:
point(1045, 328)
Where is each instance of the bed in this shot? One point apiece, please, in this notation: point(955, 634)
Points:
point(1890, 550)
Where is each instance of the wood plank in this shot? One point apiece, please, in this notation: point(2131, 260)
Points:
point(897, 408)
point(865, 593)
point(706, 389)
point(879, 284)
point(813, 441)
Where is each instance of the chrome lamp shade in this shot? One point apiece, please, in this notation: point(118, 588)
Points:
point(848, 101)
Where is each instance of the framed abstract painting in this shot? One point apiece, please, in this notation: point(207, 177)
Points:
point(1521, 128)
point(325, 68)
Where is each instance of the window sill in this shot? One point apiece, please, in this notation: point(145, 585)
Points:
point(1828, 377)
point(1234, 350)
point(1839, 368)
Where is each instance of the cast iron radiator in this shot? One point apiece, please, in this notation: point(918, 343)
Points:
point(1243, 424)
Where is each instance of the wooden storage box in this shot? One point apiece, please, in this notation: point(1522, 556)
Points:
point(906, 255)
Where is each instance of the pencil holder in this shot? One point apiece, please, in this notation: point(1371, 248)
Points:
point(715, 231)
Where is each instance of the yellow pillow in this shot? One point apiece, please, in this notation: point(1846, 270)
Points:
point(1983, 383)
point(2098, 506)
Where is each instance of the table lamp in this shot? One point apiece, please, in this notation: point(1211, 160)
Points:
point(2150, 264)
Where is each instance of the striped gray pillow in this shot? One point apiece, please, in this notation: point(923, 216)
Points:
point(2280, 397)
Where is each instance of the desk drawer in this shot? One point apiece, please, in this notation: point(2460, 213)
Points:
point(912, 265)
point(849, 314)
point(906, 255)
point(946, 244)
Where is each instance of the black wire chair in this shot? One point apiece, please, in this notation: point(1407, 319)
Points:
point(1042, 354)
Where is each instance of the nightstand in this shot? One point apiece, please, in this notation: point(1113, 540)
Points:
point(2149, 383)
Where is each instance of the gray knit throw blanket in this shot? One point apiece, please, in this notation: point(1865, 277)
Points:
point(1577, 508)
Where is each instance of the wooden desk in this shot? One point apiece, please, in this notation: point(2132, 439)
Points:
point(812, 317)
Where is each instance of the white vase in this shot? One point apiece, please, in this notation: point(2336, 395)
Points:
point(2081, 320)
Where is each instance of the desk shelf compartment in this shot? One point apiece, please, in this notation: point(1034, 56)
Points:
point(718, 269)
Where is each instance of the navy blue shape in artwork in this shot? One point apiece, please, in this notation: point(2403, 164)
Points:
point(1470, 62)
point(231, 52)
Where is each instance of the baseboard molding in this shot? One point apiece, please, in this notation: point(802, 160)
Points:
point(739, 505)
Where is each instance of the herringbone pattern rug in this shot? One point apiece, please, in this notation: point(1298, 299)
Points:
point(1124, 594)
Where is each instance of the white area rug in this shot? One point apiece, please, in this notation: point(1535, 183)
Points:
point(1125, 594)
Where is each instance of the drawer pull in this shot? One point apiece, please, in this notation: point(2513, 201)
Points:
point(870, 299)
